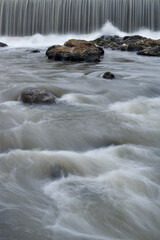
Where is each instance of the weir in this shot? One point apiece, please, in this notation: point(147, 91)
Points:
point(27, 17)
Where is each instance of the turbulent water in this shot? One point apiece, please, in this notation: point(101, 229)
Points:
point(104, 135)
point(27, 17)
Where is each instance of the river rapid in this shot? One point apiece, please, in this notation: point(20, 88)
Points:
point(103, 134)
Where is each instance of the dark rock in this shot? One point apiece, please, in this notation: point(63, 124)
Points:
point(141, 45)
point(58, 171)
point(153, 52)
point(108, 75)
point(133, 38)
point(38, 96)
point(3, 44)
point(35, 51)
point(75, 50)
point(101, 51)
point(134, 47)
point(112, 42)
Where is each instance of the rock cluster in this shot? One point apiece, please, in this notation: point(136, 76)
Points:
point(139, 44)
point(37, 96)
point(75, 50)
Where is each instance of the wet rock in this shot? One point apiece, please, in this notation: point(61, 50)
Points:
point(133, 38)
point(58, 171)
point(75, 50)
point(108, 75)
point(153, 52)
point(134, 47)
point(124, 47)
point(3, 44)
point(142, 45)
point(35, 51)
point(37, 96)
point(112, 42)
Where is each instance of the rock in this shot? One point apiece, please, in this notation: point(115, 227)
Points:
point(75, 50)
point(153, 52)
point(38, 96)
point(3, 44)
point(108, 75)
point(134, 47)
point(133, 38)
point(141, 45)
point(112, 42)
point(35, 51)
point(58, 171)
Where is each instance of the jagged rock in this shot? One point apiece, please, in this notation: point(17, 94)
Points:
point(75, 50)
point(142, 45)
point(3, 44)
point(133, 38)
point(108, 75)
point(112, 42)
point(134, 47)
point(38, 96)
point(153, 52)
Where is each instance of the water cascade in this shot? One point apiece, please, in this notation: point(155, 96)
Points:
point(27, 17)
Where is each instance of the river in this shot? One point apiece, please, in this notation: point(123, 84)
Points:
point(104, 135)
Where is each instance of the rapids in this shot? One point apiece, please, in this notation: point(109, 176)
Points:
point(105, 134)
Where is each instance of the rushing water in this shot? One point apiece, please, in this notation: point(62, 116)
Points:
point(27, 17)
point(104, 134)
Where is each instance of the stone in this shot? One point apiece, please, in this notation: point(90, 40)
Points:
point(136, 43)
point(35, 51)
point(57, 172)
point(75, 50)
point(37, 96)
point(3, 44)
point(133, 38)
point(152, 52)
point(108, 75)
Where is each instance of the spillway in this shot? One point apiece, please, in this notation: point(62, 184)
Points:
point(27, 17)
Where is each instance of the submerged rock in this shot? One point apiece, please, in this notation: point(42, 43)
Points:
point(38, 96)
point(108, 75)
point(35, 51)
point(75, 50)
point(3, 44)
point(58, 171)
point(141, 45)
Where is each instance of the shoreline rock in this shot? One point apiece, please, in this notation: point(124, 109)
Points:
point(75, 51)
point(136, 43)
point(37, 96)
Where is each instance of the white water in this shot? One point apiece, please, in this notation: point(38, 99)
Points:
point(39, 40)
point(104, 133)
point(28, 17)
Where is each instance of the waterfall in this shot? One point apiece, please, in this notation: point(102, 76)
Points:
point(27, 17)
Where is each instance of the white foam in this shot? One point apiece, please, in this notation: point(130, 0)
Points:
point(43, 41)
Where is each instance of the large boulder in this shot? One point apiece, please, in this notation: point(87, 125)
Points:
point(3, 44)
point(75, 50)
point(37, 96)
